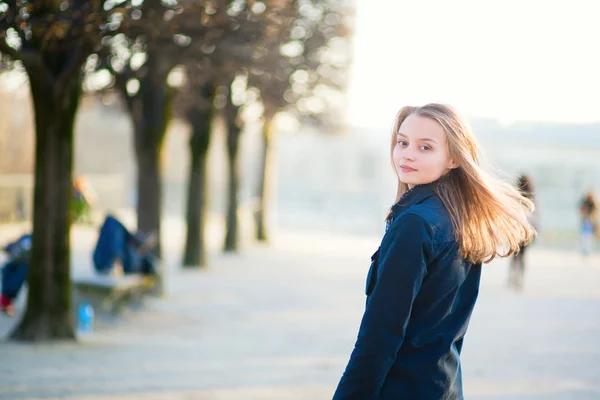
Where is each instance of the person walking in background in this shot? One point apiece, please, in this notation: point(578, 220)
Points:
point(20, 206)
point(517, 263)
point(588, 210)
point(449, 217)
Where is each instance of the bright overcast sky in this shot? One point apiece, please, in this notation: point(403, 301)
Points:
point(509, 60)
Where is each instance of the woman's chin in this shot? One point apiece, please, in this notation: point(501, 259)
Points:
point(409, 180)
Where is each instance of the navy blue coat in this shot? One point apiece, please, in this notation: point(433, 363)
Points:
point(420, 295)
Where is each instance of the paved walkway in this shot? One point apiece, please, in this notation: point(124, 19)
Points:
point(279, 323)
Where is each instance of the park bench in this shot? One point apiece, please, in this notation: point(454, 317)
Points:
point(110, 293)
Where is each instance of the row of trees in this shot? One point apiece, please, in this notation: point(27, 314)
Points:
point(282, 54)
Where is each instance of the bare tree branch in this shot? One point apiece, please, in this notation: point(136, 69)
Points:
point(9, 51)
point(64, 81)
point(30, 58)
point(121, 78)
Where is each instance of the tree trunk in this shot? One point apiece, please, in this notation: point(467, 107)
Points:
point(233, 139)
point(48, 315)
point(151, 115)
point(264, 183)
point(149, 189)
point(195, 244)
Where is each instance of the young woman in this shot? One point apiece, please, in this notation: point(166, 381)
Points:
point(449, 217)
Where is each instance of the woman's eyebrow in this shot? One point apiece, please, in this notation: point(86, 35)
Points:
point(421, 139)
point(428, 140)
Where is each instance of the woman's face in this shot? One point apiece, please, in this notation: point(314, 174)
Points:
point(421, 153)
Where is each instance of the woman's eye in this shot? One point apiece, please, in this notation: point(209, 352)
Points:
point(402, 143)
point(425, 148)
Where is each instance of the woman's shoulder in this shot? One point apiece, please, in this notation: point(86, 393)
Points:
point(434, 213)
point(431, 210)
point(426, 223)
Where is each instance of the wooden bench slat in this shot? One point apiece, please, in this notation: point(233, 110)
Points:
point(109, 281)
point(110, 291)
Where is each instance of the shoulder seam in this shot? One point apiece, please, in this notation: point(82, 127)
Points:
point(408, 212)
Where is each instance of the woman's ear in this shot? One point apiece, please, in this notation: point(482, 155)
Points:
point(452, 164)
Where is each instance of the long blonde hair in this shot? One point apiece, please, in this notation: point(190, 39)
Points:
point(489, 216)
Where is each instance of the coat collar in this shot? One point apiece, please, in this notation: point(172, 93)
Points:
point(414, 196)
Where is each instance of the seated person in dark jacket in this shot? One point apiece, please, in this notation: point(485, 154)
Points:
point(14, 271)
point(117, 245)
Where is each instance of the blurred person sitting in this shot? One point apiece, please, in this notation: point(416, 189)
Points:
point(517, 263)
point(117, 250)
point(14, 272)
point(82, 201)
point(588, 210)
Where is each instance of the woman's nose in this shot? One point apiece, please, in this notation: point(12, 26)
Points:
point(408, 154)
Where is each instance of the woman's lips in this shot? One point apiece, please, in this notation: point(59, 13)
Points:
point(406, 168)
